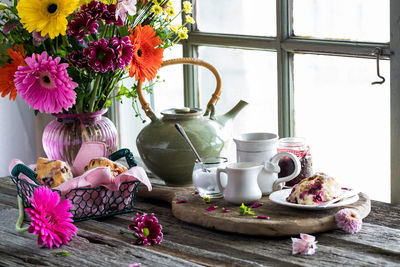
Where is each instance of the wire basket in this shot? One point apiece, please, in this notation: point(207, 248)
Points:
point(87, 203)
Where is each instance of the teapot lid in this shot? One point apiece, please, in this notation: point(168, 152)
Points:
point(180, 113)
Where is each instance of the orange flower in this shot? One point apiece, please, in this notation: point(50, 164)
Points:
point(146, 59)
point(8, 70)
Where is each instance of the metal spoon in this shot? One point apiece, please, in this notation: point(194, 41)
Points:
point(183, 133)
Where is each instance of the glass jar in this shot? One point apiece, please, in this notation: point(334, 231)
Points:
point(297, 146)
point(205, 176)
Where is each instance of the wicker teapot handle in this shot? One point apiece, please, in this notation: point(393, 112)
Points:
point(193, 61)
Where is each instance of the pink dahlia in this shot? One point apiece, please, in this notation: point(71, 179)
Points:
point(147, 229)
point(44, 84)
point(306, 245)
point(348, 220)
point(123, 49)
point(111, 17)
point(51, 219)
point(82, 26)
point(125, 7)
point(95, 9)
point(100, 56)
point(77, 59)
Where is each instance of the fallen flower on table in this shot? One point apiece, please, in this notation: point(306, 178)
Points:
point(262, 217)
point(243, 210)
point(146, 229)
point(256, 205)
point(225, 210)
point(206, 200)
point(348, 220)
point(306, 245)
point(181, 201)
point(211, 208)
point(135, 265)
point(51, 219)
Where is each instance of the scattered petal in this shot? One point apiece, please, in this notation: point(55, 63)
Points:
point(211, 208)
point(348, 220)
point(256, 205)
point(181, 201)
point(62, 253)
point(196, 192)
point(206, 200)
point(306, 245)
point(225, 210)
point(262, 217)
point(135, 265)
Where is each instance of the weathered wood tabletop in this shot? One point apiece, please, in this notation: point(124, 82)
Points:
point(99, 242)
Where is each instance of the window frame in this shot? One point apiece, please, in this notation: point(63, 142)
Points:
point(286, 45)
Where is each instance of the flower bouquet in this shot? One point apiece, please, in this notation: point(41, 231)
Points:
point(67, 58)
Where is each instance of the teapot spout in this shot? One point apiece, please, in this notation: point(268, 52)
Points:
point(231, 114)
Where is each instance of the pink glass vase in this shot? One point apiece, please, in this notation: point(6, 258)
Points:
point(63, 137)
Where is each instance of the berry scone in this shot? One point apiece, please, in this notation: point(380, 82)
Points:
point(315, 190)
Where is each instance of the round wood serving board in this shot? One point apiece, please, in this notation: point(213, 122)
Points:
point(283, 220)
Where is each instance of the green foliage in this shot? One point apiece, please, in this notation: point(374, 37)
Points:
point(244, 210)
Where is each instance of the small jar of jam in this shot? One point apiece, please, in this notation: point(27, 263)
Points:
point(297, 146)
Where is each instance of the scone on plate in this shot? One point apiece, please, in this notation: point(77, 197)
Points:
point(315, 190)
point(116, 168)
point(52, 173)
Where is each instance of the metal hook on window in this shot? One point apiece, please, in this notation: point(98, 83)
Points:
point(378, 53)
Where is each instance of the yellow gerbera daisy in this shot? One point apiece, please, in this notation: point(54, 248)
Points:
point(182, 34)
point(187, 6)
point(189, 19)
point(46, 16)
point(156, 9)
point(170, 11)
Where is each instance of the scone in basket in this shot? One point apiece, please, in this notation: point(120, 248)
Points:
point(87, 203)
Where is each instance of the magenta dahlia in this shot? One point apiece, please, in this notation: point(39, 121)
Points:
point(100, 56)
point(44, 84)
point(123, 49)
point(111, 17)
point(147, 229)
point(51, 219)
point(95, 9)
point(78, 59)
point(82, 26)
point(349, 220)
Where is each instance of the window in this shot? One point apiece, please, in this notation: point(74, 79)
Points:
point(306, 68)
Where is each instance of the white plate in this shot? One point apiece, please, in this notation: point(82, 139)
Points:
point(280, 196)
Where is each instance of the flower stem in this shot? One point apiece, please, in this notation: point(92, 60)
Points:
point(20, 220)
point(94, 93)
point(124, 231)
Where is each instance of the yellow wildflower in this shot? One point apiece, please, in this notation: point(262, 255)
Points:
point(184, 29)
point(169, 3)
point(190, 20)
point(187, 6)
point(182, 34)
point(46, 16)
point(170, 11)
point(206, 200)
point(156, 9)
point(157, 2)
point(174, 28)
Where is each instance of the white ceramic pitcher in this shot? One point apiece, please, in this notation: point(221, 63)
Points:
point(242, 184)
point(262, 147)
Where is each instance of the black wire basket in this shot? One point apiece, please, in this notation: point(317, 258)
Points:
point(87, 203)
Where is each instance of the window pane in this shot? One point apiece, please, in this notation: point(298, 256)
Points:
point(247, 75)
point(250, 17)
point(363, 20)
point(166, 94)
point(346, 120)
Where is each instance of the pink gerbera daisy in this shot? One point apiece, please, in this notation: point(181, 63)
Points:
point(51, 219)
point(44, 84)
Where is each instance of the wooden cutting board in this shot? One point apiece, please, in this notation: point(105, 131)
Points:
point(283, 220)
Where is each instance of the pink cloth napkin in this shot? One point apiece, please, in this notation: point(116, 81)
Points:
point(87, 152)
point(100, 176)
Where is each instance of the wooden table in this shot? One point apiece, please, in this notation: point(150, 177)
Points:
point(99, 242)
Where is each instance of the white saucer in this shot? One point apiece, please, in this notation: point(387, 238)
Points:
point(279, 197)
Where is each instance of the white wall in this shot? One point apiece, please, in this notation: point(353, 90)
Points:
point(18, 135)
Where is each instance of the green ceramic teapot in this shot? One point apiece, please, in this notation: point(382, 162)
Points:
point(163, 149)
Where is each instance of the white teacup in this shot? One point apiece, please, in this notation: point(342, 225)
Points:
point(242, 186)
point(262, 147)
